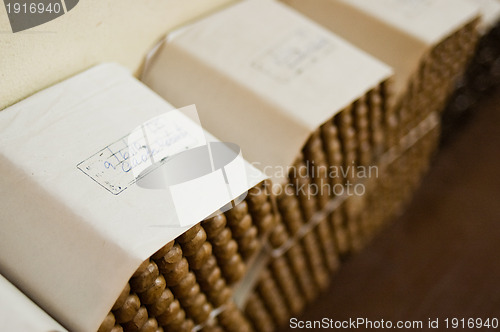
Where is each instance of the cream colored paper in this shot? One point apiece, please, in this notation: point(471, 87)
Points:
point(18, 313)
point(398, 32)
point(262, 76)
point(66, 240)
point(490, 14)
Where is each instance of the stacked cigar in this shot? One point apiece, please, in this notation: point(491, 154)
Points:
point(481, 77)
point(319, 228)
point(354, 162)
point(187, 284)
point(316, 231)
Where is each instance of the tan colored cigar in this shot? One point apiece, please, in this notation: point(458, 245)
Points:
point(108, 323)
point(183, 283)
point(390, 119)
point(173, 317)
point(212, 283)
point(376, 115)
point(207, 272)
point(161, 303)
point(292, 218)
point(296, 260)
point(344, 121)
point(361, 124)
point(151, 325)
point(233, 320)
point(310, 204)
point(128, 310)
point(272, 298)
point(142, 280)
point(244, 231)
point(188, 290)
point(225, 248)
point(286, 282)
point(329, 133)
point(315, 160)
point(259, 200)
point(258, 315)
point(138, 321)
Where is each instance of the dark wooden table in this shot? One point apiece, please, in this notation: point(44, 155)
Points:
point(441, 258)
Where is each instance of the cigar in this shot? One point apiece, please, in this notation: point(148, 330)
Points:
point(375, 117)
point(333, 149)
point(260, 206)
point(361, 124)
point(272, 298)
point(225, 248)
point(259, 315)
point(182, 282)
point(296, 261)
point(243, 229)
point(292, 217)
point(287, 284)
point(311, 203)
point(232, 319)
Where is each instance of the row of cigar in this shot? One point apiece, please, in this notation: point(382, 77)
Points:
point(482, 77)
point(187, 285)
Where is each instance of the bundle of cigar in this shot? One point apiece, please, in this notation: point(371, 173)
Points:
point(187, 284)
point(481, 77)
point(355, 165)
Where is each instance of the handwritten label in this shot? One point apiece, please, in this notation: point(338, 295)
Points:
point(118, 165)
point(293, 55)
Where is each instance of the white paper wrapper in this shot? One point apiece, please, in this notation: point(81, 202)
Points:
point(75, 224)
point(490, 14)
point(18, 313)
point(398, 32)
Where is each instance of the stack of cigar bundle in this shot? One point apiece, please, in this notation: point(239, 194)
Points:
point(352, 170)
point(188, 284)
point(397, 138)
point(157, 270)
point(355, 147)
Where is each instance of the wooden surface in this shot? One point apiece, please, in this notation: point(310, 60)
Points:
point(441, 258)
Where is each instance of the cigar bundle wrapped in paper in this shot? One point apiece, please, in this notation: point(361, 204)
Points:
point(138, 218)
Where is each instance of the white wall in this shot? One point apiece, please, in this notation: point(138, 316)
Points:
point(94, 31)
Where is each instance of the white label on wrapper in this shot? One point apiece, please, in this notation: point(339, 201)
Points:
point(293, 55)
point(117, 165)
